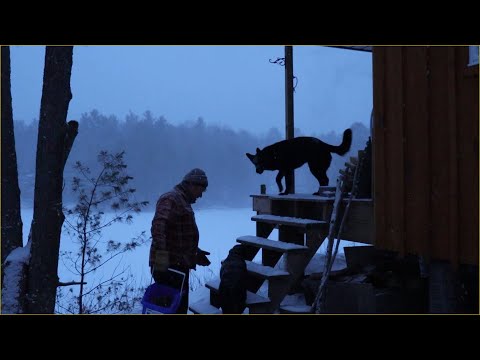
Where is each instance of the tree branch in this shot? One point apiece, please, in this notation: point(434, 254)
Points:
point(71, 283)
point(70, 135)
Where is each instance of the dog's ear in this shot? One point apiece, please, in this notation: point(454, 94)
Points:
point(258, 150)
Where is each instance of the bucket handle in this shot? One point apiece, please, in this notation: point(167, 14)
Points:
point(180, 273)
point(175, 271)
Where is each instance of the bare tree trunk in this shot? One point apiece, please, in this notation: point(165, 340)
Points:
point(11, 218)
point(55, 139)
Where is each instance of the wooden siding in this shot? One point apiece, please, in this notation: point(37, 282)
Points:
point(425, 152)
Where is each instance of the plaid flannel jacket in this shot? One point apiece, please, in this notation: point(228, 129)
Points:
point(174, 231)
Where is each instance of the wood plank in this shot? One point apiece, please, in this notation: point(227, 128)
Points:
point(263, 229)
point(453, 159)
point(417, 151)
point(251, 297)
point(378, 144)
point(262, 205)
point(305, 206)
point(265, 272)
point(467, 108)
point(298, 197)
point(394, 149)
point(289, 221)
point(439, 151)
point(359, 225)
point(291, 235)
point(271, 244)
point(270, 258)
point(204, 307)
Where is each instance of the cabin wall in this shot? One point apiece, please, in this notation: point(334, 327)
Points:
point(425, 152)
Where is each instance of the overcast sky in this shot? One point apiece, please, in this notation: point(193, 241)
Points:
point(235, 86)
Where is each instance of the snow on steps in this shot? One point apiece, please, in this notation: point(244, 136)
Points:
point(268, 244)
point(203, 307)
point(252, 298)
point(289, 221)
point(265, 272)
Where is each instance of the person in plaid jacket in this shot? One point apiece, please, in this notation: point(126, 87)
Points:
point(175, 234)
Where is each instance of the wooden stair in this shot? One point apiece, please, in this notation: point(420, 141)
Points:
point(268, 244)
point(299, 241)
point(288, 221)
point(256, 304)
point(204, 307)
point(302, 222)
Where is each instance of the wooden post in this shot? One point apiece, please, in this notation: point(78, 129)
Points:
point(289, 123)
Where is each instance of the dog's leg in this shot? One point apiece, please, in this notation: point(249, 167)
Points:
point(320, 175)
point(324, 180)
point(288, 183)
point(278, 179)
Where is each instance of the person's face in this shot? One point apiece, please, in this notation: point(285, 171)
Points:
point(197, 191)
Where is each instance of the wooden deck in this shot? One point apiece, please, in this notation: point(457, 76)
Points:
point(358, 227)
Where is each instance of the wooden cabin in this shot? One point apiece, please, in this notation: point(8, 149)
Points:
point(424, 180)
point(425, 151)
point(425, 158)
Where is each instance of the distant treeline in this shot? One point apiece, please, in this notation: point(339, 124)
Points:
point(158, 154)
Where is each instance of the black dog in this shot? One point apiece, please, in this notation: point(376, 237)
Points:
point(288, 155)
point(233, 281)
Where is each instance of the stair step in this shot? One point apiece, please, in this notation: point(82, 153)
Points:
point(268, 244)
point(289, 221)
point(204, 307)
point(252, 299)
point(265, 272)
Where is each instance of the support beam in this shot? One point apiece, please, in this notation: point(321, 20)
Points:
point(289, 123)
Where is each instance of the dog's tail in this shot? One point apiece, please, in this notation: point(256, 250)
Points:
point(344, 147)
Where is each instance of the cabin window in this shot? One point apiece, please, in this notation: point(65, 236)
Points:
point(472, 55)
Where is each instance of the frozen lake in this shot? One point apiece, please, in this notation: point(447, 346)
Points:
point(219, 229)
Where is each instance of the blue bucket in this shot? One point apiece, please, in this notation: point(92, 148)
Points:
point(162, 299)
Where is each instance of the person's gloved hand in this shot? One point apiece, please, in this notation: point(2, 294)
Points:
point(202, 259)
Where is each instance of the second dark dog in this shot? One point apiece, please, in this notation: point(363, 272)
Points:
point(233, 281)
point(288, 155)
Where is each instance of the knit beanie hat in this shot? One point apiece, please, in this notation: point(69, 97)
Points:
point(196, 176)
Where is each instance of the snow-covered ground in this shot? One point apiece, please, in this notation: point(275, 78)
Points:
point(219, 229)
